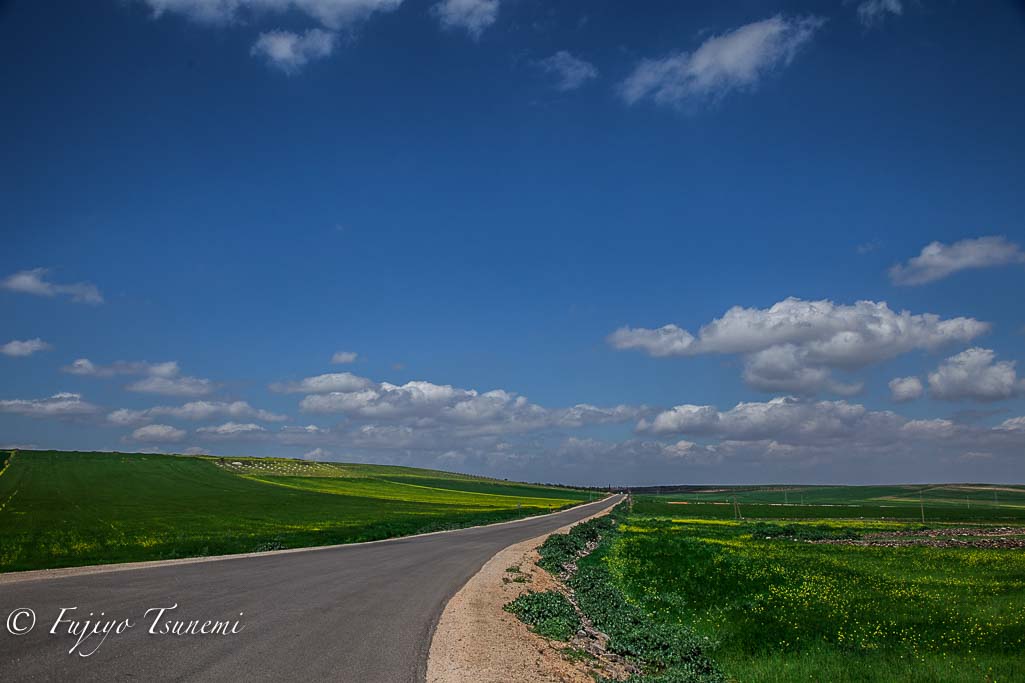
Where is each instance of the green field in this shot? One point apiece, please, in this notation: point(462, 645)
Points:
point(784, 598)
point(60, 509)
point(966, 496)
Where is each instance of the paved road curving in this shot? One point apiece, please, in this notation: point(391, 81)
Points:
point(363, 613)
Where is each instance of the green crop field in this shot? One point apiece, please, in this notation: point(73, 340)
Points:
point(844, 590)
point(965, 496)
point(60, 509)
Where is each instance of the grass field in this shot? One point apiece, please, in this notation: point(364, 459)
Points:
point(967, 496)
point(786, 601)
point(60, 509)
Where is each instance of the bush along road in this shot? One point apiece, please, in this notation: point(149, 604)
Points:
point(594, 615)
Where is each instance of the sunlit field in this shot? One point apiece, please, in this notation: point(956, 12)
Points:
point(61, 509)
point(834, 599)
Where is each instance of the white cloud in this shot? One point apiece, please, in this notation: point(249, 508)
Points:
point(34, 282)
point(290, 52)
point(571, 72)
point(735, 60)
point(831, 430)
point(195, 410)
point(905, 388)
point(317, 454)
point(668, 340)
point(322, 384)
point(334, 14)
point(344, 357)
point(938, 260)
point(786, 420)
point(794, 344)
point(86, 368)
point(160, 378)
point(27, 347)
point(472, 15)
point(976, 375)
point(464, 411)
point(59, 405)
point(125, 417)
point(872, 12)
point(835, 440)
point(233, 429)
point(158, 434)
point(204, 410)
point(786, 368)
point(934, 428)
point(1014, 424)
point(173, 386)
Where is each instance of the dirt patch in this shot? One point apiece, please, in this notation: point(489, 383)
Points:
point(968, 537)
point(477, 640)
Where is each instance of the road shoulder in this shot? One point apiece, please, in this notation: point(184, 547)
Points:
point(477, 640)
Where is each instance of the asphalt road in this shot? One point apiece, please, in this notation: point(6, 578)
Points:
point(362, 613)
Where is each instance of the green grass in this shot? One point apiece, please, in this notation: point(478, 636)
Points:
point(784, 609)
point(550, 614)
point(60, 509)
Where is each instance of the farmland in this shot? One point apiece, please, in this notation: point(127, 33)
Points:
point(60, 509)
point(844, 590)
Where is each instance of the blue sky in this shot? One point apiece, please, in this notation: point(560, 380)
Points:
point(494, 199)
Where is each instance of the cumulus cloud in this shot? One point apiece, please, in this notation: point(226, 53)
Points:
point(1015, 424)
point(570, 72)
point(735, 60)
point(124, 417)
point(938, 260)
point(936, 428)
point(786, 368)
point(473, 16)
point(289, 52)
point(27, 347)
point(34, 282)
point(785, 420)
point(905, 389)
point(159, 378)
point(158, 434)
point(59, 405)
point(195, 410)
point(233, 429)
point(322, 384)
point(344, 357)
point(668, 340)
point(793, 345)
point(465, 410)
point(975, 374)
point(333, 14)
point(805, 438)
point(872, 12)
point(172, 386)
